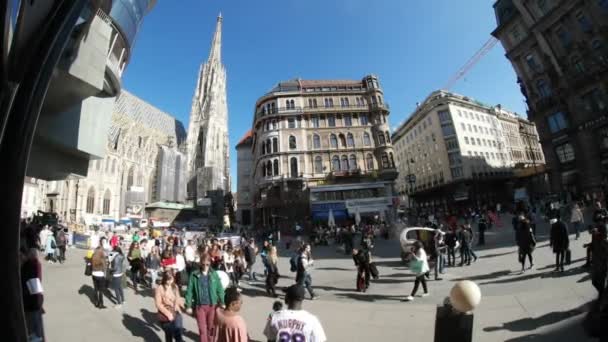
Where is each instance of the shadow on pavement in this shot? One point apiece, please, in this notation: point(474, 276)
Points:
point(140, 328)
point(492, 275)
point(191, 335)
point(369, 297)
point(584, 278)
point(496, 255)
point(383, 280)
point(151, 318)
point(529, 323)
point(549, 274)
point(335, 269)
point(254, 292)
point(397, 275)
point(390, 263)
point(89, 291)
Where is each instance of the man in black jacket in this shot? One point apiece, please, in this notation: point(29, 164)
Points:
point(560, 242)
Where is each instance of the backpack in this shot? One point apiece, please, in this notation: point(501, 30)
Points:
point(293, 263)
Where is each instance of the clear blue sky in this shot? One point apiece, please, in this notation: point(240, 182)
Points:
point(413, 46)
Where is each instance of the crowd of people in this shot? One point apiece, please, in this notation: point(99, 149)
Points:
point(201, 278)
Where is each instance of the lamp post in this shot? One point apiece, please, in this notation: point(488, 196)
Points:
point(411, 180)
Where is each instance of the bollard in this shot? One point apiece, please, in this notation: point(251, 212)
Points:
point(454, 319)
point(453, 326)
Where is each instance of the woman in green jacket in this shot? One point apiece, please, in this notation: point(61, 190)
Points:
point(204, 294)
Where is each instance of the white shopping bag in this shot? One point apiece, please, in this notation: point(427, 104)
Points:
point(34, 286)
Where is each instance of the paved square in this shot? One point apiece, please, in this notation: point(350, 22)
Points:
point(538, 305)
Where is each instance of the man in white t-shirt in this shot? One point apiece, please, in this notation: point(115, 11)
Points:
point(294, 323)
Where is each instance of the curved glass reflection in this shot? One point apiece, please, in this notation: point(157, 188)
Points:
point(128, 15)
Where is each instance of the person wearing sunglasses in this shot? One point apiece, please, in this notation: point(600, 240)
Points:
point(204, 294)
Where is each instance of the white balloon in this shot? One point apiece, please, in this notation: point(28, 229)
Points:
point(224, 279)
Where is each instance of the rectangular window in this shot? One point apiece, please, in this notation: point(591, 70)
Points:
point(475, 128)
point(557, 122)
point(451, 144)
point(456, 172)
point(444, 116)
point(466, 140)
point(565, 153)
point(348, 121)
point(454, 158)
point(447, 130)
point(464, 127)
point(291, 123)
point(315, 121)
point(472, 141)
point(363, 119)
point(331, 121)
point(478, 141)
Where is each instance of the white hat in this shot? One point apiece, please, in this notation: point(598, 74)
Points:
point(552, 221)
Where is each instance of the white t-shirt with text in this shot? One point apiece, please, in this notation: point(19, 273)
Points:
point(294, 326)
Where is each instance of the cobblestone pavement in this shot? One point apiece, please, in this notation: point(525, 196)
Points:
point(538, 305)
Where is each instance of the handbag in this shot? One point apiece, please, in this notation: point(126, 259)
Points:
point(53, 245)
point(162, 318)
point(88, 269)
point(416, 266)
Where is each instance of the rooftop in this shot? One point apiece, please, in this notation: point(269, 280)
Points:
point(427, 105)
point(245, 138)
point(143, 112)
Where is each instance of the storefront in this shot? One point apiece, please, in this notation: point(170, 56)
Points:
point(370, 201)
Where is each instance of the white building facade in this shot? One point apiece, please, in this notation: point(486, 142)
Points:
point(454, 144)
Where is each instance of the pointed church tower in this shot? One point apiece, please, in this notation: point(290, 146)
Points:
point(208, 152)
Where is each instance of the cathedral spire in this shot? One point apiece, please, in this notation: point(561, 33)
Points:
point(216, 45)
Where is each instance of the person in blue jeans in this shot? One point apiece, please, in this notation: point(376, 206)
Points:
point(440, 250)
point(470, 246)
point(305, 262)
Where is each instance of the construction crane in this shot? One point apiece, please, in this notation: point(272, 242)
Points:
point(471, 62)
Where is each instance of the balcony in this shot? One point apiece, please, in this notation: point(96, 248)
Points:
point(349, 108)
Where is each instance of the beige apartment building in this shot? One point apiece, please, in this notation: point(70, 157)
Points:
point(321, 148)
point(559, 51)
point(455, 151)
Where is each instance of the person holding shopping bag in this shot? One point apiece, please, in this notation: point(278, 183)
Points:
point(419, 266)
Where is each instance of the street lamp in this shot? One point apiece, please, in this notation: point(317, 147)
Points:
point(411, 180)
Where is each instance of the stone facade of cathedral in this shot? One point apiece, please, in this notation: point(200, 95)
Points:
point(207, 146)
point(145, 162)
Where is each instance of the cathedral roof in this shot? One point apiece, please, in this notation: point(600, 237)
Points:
point(142, 112)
